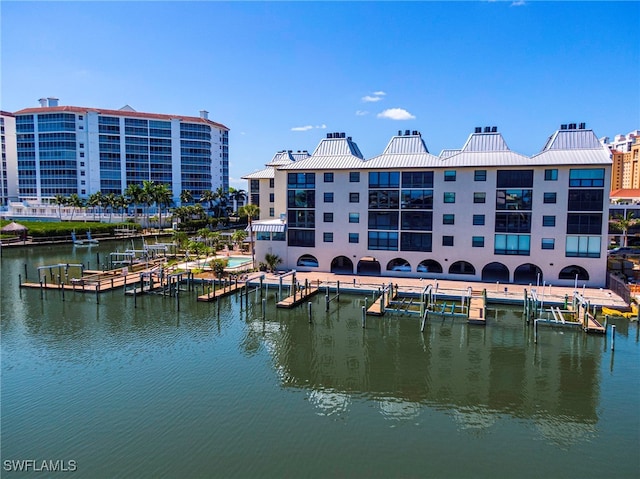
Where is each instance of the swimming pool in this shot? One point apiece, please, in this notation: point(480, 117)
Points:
point(235, 261)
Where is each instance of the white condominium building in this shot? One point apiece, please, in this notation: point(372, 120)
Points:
point(63, 150)
point(480, 213)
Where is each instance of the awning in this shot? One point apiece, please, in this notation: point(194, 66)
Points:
point(268, 227)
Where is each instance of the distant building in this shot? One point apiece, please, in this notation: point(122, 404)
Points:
point(68, 149)
point(625, 154)
point(9, 169)
point(482, 212)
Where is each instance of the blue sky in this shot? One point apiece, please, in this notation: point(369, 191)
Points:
point(281, 75)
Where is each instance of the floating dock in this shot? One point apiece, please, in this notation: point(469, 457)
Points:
point(222, 291)
point(297, 297)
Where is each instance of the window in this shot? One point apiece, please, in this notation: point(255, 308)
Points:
point(587, 178)
point(254, 186)
point(480, 175)
point(447, 241)
point(263, 236)
point(516, 222)
point(383, 220)
point(549, 197)
point(515, 178)
point(301, 218)
point(304, 238)
point(301, 180)
point(271, 197)
point(417, 220)
point(327, 237)
point(548, 221)
point(551, 175)
point(512, 244)
point(354, 217)
point(478, 220)
point(583, 246)
point(585, 223)
point(548, 243)
point(82, 154)
point(354, 237)
point(82, 173)
point(81, 145)
point(328, 218)
point(479, 197)
point(328, 197)
point(415, 242)
point(354, 197)
point(449, 197)
point(477, 241)
point(272, 212)
point(354, 177)
point(301, 198)
point(448, 219)
point(384, 179)
point(83, 192)
point(450, 175)
point(585, 200)
point(328, 177)
point(417, 179)
point(383, 240)
point(271, 182)
point(513, 199)
point(82, 163)
point(411, 199)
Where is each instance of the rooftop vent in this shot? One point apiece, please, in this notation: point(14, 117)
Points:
point(399, 132)
point(487, 129)
point(406, 132)
point(494, 129)
point(349, 138)
point(342, 135)
point(329, 135)
point(478, 129)
point(414, 132)
point(52, 101)
point(563, 126)
point(43, 102)
point(572, 126)
point(582, 126)
point(204, 114)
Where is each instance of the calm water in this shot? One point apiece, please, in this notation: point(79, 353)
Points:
point(206, 392)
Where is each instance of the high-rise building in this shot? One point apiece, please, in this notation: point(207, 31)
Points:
point(482, 212)
point(68, 149)
point(8, 170)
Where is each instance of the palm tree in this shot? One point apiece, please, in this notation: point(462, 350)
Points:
point(75, 202)
point(59, 200)
point(272, 260)
point(238, 237)
point(186, 197)
point(237, 196)
point(222, 201)
point(250, 211)
point(109, 201)
point(122, 203)
point(94, 201)
point(208, 197)
point(624, 224)
point(148, 196)
point(134, 193)
point(163, 197)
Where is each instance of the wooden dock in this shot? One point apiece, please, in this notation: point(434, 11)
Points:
point(297, 298)
point(221, 292)
point(477, 310)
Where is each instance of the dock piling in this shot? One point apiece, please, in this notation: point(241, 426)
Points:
point(264, 308)
point(613, 336)
point(364, 317)
point(309, 310)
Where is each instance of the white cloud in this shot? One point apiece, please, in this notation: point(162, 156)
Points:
point(371, 99)
point(379, 93)
point(396, 114)
point(309, 127)
point(518, 3)
point(361, 112)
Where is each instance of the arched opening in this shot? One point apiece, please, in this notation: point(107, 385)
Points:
point(495, 272)
point(341, 265)
point(399, 264)
point(527, 273)
point(368, 266)
point(429, 266)
point(570, 272)
point(462, 267)
point(307, 260)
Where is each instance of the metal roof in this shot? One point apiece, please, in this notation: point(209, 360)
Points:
point(336, 162)
point(337, 146)
point(572, 140)
point(413, 160)
point(256, 175)
point(447, 153)
point(270, 226)
point(599, 156)
point(485, 142)
point(287, 156)
point(405, 144)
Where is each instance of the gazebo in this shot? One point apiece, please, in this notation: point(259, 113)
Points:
point(15, 229)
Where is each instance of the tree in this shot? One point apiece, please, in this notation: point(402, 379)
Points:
point(272, 260)
point(148, 196)
point(624, 224)
point(75, 202)
point(109, 201)
point(186, 197)
point(218, 265)
point(61, 201)
point(221, 196)
point(237, 197)
point(251, 211)
point(134, 193)
point(163, 197)
point(94, 201)
point(208, 197)
point(238, 237)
